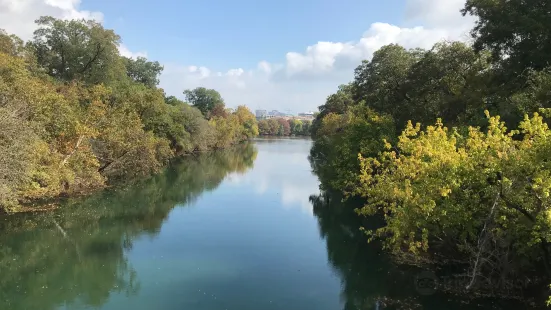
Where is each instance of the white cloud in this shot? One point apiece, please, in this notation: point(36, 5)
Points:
point(124, 51)
point(305, 79)
point(291, 185)
point(18, 16)
point(438, 13)
point(265, 67)
point(235, 72)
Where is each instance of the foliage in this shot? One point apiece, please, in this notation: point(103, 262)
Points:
point(77, 49)
point(470, 191)
point(76, 116)
point(516, 32)
point(142, 71)
point(337, 103)
point(206, 100)
point(248, 121)
point(439, 186)
point(10, 44)
point(449, 82)
point(339, 140)
point(284, 127)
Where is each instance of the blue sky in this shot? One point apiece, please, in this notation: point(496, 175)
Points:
point(231, 34)
point(286, 55)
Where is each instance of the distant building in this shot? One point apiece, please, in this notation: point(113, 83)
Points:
point(261, 114)
point(306, 116)
point(276, 113)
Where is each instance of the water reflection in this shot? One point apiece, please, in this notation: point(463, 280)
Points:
point(369, 278)
point(77, 256)
point(283, 167)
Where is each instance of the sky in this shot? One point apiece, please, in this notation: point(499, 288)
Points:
point(285, 55)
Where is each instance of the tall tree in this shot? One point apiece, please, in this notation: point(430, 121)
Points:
point(449, 82)
point(204, 99)
point(378, 82)
point(77, 49)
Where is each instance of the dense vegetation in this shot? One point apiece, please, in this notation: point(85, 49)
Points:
point(451, 146)
point(75, 115)
point(284, 127)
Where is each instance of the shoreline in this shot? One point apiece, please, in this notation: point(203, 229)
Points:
point(39, 205)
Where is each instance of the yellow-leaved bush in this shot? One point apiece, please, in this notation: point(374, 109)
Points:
point(438, 188)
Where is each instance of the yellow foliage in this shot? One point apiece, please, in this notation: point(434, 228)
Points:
point(437, 184)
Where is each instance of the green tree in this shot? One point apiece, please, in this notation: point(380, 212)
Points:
point(77, 49)
point(515, 31)
point(273, 126)
point(296, 127)
point(99, 123)
point(450, 81)
point(337, 103)
point(142, 71)
point(307, 128)
point(379, 82)
point(10, 44)
point(172, 100)
point(263, 127)
point(204, 99)
point(339, 140)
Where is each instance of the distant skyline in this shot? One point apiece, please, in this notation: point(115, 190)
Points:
point(289, 111)
point(275, 55)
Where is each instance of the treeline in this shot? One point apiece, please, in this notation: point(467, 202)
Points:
point(284, 127)
point(451, 146)
point(75, 115)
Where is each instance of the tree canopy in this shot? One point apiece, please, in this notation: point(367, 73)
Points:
point(142, 71)
point(77, 49)
point(206, 100)
point(516, 32)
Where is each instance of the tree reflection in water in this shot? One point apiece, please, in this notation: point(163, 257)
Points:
point(76, 256)
point(369, 277)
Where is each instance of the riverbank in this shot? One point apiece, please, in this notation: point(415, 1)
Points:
point(67, 132)
point(53, 203)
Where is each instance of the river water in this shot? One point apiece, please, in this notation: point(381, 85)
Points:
point(240, 229)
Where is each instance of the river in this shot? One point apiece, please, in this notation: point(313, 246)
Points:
point(240, 229)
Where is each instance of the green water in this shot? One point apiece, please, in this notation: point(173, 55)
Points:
point(239, 229)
